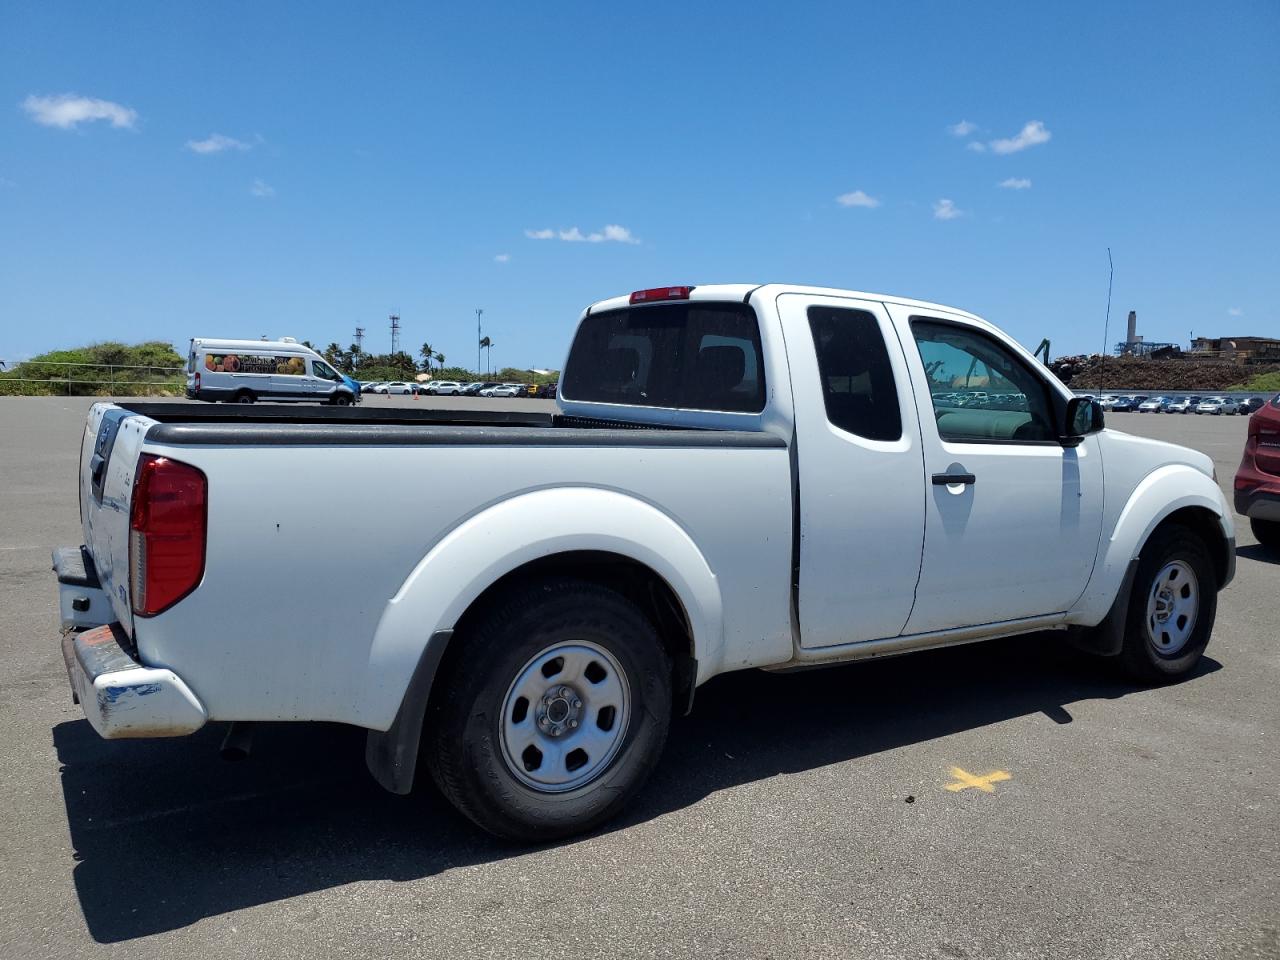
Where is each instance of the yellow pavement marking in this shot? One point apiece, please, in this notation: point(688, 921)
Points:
point(965, 780)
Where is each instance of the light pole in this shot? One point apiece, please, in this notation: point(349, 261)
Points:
point(1102, 361)
point(478, 339)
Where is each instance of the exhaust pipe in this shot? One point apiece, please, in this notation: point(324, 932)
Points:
point(238, 741)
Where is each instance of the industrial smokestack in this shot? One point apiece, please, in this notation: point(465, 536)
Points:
point(1133, 327)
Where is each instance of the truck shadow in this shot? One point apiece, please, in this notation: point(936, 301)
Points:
point(166, 834)
point(1256, 551)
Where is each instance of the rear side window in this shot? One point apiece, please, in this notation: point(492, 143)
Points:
point(857, 380)
point(696, 356)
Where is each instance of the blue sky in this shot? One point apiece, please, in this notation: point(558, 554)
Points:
point(239, 169)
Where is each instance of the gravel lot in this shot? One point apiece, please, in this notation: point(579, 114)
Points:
point(793, 816)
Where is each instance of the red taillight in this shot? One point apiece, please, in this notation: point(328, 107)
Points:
point(197, 379)
point(661, 293)
point(167, 533)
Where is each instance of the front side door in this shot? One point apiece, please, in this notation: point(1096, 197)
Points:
point(1012, 517)
point(323, 380)
point(861, 480)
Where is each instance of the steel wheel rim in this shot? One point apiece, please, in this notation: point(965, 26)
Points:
point(565, 716)
point(1172, 605)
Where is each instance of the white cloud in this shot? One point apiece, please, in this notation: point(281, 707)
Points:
point(946, 209)
point(261, 188)
point(1015, 183)
point(618, 234)
point(502, 258)
point(857, 199)
point(66, 110)
point(611, 232)
point(962, 129)
point(1032, 134)
point(216, 143)
point(976, 146)
point(1235, 311)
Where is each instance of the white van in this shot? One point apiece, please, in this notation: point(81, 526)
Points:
point(283, 371)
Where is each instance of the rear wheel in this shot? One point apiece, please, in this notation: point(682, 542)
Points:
point(1171, 609)
point(553, 712)
point(244, 396)
point(1267, 532)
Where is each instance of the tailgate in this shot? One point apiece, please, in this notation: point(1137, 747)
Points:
point(109, 455)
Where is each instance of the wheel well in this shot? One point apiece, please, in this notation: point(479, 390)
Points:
point(638, 583)
point(1204, 524)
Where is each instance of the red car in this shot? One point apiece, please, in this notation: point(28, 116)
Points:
point(1258, 479)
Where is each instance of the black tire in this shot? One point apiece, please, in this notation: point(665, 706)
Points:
point(1267, 532)
point(341, 400)
point(1139, 655)
point(463, 742)
point(244, 396)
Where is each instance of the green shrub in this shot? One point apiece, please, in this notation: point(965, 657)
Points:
point(1262, 383)
point(99, 370)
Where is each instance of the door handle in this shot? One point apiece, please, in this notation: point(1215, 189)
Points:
point(944, 479)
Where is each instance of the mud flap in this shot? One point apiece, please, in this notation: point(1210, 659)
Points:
point(392, 754)
point(1107, 637)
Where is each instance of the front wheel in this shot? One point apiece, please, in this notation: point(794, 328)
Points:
point(553, 712)
point(1172, 607)
point(342, 400)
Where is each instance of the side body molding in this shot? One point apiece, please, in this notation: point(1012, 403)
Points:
point(1159, 494)
point(511, 533)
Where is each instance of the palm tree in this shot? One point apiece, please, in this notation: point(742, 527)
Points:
point(427, 356)
point(440, 360)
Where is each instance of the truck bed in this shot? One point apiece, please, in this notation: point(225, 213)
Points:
point(328, 526)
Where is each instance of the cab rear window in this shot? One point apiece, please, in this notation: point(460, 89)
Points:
point(693, 356)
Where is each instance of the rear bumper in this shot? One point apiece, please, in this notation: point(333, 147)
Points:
point(1258, 504)
point(121, 697)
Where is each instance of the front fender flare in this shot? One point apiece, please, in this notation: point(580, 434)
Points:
point(1157, 496)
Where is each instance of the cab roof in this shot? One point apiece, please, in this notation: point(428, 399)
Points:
point(740, 292)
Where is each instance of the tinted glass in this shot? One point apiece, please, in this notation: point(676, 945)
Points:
point(697, 356)
point(981, 391)
point(853, 365)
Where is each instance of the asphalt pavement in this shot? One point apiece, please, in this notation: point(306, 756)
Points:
point(801, 815)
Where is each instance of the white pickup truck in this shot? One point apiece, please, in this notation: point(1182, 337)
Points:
point(738, 476)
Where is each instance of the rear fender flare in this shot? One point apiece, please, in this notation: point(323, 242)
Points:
point(505, 536)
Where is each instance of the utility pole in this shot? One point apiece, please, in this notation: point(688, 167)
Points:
point(1102, 361)
point(360, 339)
point(479, 337)
point(395, 333)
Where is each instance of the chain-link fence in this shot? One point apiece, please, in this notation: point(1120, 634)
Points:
point(44, 378)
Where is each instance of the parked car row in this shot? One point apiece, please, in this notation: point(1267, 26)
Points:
point(450, 388)
point(1213, 406)
point(981, 400)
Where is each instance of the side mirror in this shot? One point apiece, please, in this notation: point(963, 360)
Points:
point(1083, 417)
